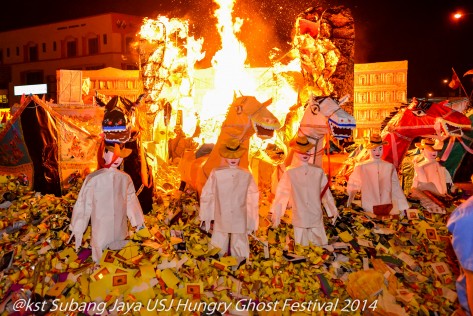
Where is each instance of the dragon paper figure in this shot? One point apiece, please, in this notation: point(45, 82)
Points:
point(421, 118)
point(245, 117)
point(457, 163)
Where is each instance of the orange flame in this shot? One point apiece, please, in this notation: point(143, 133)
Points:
point(209, 92)
point(170, 55)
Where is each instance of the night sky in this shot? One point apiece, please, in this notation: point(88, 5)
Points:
point(420, 31)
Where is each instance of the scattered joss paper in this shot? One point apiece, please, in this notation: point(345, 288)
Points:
point(151, 274)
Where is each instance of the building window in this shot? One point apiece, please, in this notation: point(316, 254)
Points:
point(95, 67)
point(400, 96)
point(373, 97)
point(105, 39)
point(1, 56)
point(71, 49)
point(17, 51)
point(33, 53)
point(33, 77)
point(44, 47)
point(375, 115)
point(128, 43)
point(93, 46)
point(54, 46)
point(8, 52)
point(400, 78)
point(374, 79)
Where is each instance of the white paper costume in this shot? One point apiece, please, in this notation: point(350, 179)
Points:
point(107, 198)
point(430, 171)
point(301, 186)
point(377, 180)
point(230, 198)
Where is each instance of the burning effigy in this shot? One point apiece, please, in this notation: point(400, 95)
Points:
point(365, 263)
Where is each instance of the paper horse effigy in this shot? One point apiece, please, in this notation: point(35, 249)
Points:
point(120, 125)
point(322, 116)
point(245, 117)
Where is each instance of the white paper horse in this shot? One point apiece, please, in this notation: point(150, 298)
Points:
point(323, 115)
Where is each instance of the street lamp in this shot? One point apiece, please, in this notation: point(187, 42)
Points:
point(445, 85)
point(458, 15)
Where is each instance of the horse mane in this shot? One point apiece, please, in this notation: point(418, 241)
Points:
point(391, 115)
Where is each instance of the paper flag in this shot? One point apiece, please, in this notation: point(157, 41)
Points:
point(412, 214)
point(100, 274)
point(404, 296)
point(147, 272)
point(158, 235)
point(365, 243)
point(229, 261)
point(119, 279)
point(432, 234)
point(57, 289)
point(345, 236)
point(440, 268)
point(68, 253)
point(143, 292)
point(108, 258)
point(411, 263)
point(449, 294)
point(219, 265)
point(169, 278)
point(152, 244)
point(194, 289)
point(101, 288)
point(143, 233)
point(129, 253)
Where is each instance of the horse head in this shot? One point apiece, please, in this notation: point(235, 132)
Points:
point(323, 115)
point(118, 119)
point(247, 116)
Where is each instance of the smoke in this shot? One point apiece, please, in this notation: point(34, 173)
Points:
point(259, 35)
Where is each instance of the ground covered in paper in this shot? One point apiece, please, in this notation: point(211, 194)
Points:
point(372, 266)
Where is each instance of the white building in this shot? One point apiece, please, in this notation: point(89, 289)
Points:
point(378, 89)
point(32, 55)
